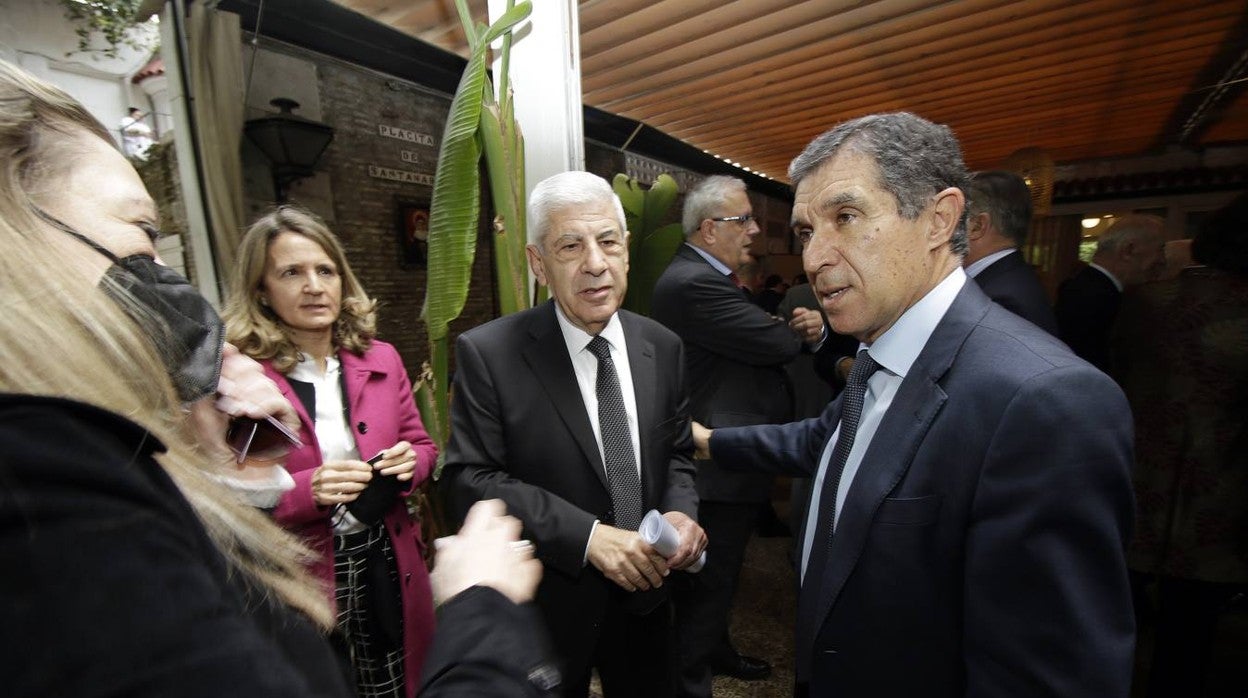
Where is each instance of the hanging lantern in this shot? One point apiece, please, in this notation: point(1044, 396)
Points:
point(1037, 170)
point(292, 143)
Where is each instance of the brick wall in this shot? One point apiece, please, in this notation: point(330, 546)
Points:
point(364, 205)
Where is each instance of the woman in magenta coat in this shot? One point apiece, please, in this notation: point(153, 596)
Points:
point(298, 309)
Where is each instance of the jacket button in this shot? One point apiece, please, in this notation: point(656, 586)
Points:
point(407, 577)
point(362, 428)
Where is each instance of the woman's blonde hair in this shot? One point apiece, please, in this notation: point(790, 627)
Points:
point(255, 329)
point(109, 361)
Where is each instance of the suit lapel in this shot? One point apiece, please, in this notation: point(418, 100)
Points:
point(547, 356)
point(355, 374)
point(893, 448)
point(641, 364)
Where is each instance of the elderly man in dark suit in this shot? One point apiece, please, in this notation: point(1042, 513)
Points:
point(998, 218)
point(1130, 253)
point(736, 355)
point(973, 493)
point(575, 414)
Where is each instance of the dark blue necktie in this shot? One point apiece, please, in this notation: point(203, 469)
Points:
point(851, 413)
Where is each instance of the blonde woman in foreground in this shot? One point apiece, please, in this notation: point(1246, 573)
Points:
point(128, 568)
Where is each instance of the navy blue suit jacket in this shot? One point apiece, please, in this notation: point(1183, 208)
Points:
point(980, 551)
point(1011, 283)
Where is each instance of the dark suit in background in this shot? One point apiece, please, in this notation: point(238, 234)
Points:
point(1087, 305)
point(980, 548)
point(1012, 283)
point(736, 355)
point(520, 433)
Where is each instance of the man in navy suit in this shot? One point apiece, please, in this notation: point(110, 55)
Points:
point(1130, 253)
point(973, 493)
point(998, 218)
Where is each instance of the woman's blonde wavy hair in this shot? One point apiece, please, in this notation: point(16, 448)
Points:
point(255, 329)
point(108, 360)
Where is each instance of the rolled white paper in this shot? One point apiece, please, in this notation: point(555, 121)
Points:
point(662, 536)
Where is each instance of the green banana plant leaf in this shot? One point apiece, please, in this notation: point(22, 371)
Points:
point(651, 246)
point(504, 158)
point(661, 196)
point(647, 263)
point(632, 198)
point(454, 216)
point(454, 210)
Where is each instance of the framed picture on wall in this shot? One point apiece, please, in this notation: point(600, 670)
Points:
point(412, 227)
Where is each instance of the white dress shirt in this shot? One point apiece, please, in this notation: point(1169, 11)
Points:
point(895, 351)
point(973, 269)
point(333, 434)
point(585, 365)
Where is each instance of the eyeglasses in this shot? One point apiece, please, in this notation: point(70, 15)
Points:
point(742, 219)
point(260, 439)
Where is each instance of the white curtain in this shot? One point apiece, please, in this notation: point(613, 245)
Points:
point(214, 40)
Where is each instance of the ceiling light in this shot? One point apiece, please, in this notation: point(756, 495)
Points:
point(1091, 222)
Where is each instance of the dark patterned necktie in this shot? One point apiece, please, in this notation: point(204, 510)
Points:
point(617, 444)
point(851, 413)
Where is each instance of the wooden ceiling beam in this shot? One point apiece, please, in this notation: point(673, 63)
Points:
point(753, 52)
point(975, 53)
point(1054, 80)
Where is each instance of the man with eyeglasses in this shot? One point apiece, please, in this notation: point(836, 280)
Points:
point(735, 352)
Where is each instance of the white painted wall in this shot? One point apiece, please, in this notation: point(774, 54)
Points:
point(36, 35)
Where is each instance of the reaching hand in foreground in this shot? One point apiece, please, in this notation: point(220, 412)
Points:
point(485, 553)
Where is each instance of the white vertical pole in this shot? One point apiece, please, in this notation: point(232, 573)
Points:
point(545, 76)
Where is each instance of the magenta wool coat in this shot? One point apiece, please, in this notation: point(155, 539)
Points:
point(382, 413)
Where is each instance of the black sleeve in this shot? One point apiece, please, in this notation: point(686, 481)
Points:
point(486, 645)
point(110, 584)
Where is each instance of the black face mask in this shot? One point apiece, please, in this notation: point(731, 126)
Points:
point(188, 332)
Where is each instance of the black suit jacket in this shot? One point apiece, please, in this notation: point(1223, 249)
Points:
point(1013, 284)
point(736, 353)
point(980, 550)
point(488, 646)
point(520, 432)
point(1087, 305)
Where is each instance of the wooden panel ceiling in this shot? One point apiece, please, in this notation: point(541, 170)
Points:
point(753, 81)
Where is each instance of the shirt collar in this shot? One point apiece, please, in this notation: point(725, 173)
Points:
point(577, 339)
point(973, 269)
point(1103, 270)
point(897, 349)
point(719, 266)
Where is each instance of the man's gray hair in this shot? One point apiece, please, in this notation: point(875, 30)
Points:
point(1133, 227)
point(706, 200)
point(565, 190)
point(915, 158)
point(1004, 196)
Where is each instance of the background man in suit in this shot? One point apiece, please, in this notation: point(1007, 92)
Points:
point(736, 355)
point(998, 218)
point(1130, 253)
point(973, 479)
point(575, 414)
